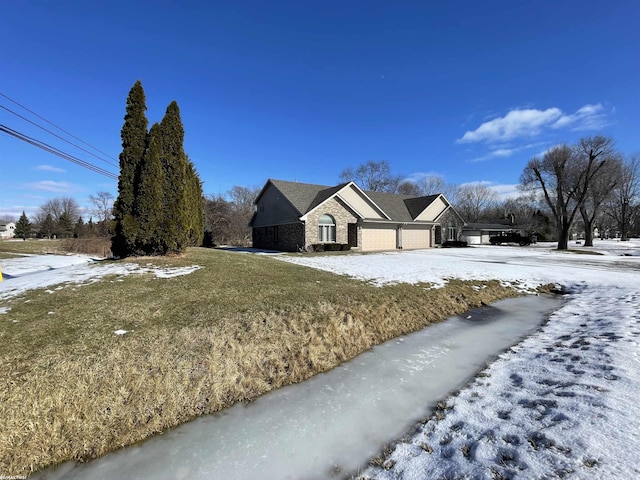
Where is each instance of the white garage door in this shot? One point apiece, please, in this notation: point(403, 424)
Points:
point(378, 237)
point(416, 237)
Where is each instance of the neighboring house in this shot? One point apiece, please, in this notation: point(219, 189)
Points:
point(291, 216)
point(479, 233)
point(6, 229)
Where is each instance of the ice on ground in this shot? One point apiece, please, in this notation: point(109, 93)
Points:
point(334, 421)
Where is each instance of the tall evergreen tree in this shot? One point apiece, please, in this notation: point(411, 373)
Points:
point(159, 208)
point(64, 225)
point(196, 206)
point(134, 140)
point(149, 204)
point(47, 226)
point(23, 227)
point(175, 226)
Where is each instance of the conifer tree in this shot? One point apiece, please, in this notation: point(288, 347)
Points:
point(134, 139)
point(47, 226)
point(196, 206)
point(175, 227)
point(23, 227)
point(149, 205)
point(65, 225)
point(79, 231)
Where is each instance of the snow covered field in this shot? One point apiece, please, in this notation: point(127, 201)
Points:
point(564, 402)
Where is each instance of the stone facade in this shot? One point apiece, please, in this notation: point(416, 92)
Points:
point(451, 219)
point(340, 213)
point(285, 238)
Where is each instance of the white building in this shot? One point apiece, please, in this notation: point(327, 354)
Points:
point(6, 229)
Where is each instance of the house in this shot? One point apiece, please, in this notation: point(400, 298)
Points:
point(6, 229)
point(479, 233)
point(291, 216)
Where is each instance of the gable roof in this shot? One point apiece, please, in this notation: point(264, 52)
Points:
point(307, 196)
point(300, 195)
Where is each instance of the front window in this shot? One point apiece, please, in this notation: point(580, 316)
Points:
point(451, 233)
point(326, 229)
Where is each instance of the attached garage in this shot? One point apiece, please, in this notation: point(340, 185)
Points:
point(379, 237)
point(415, 236)
point(302, 215)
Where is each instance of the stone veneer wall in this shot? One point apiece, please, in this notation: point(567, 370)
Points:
point(340, 213)
point(286, 238)
point(449, 217)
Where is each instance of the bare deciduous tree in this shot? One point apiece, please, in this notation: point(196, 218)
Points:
point(427, 185)
point(63, 211)
point(602, 183)
point(103, 210)
point(624, 204)
point(227, 217)
point(474, 201)
point(373, 176)
point(565, 179)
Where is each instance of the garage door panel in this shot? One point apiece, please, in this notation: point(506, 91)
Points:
point(416, 238)
point(378, 238)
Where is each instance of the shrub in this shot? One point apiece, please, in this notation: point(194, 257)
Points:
point(89, 246)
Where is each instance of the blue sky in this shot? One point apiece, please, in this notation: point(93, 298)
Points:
point(300, 90)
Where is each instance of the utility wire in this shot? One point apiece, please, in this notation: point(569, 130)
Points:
point(61, 129)
point(48, 148)
point(57, 136)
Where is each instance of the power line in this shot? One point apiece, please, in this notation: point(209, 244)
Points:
point(59, 128)
point(57, 136)
point(48, 148)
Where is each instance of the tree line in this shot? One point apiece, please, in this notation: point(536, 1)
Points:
point(579, 187)
point(62, 217)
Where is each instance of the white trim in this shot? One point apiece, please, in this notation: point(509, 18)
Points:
point(337, 194)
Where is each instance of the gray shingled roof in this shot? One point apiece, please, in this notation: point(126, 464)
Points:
point(301, 195)
point(306, 196)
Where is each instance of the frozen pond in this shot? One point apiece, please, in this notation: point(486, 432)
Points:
point(332, 424)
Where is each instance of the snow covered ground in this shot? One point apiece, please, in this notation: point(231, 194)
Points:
point(27, 272)
point(562, 403)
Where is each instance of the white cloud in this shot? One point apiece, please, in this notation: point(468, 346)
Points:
point(51, 186)
point(530, 122)
point(589, 117)
point(49, 168)
point(504, 152)
point(516, 123)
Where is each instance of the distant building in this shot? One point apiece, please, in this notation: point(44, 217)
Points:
point(7, 229)
point(480, 233)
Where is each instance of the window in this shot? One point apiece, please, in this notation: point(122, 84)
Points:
point(326, 229)
point(451, 230)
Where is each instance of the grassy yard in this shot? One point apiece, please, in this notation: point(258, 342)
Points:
point(237, 328)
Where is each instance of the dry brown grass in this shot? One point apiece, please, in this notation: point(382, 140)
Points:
point(100, 247)
point(239, 327)
point(14, 247)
